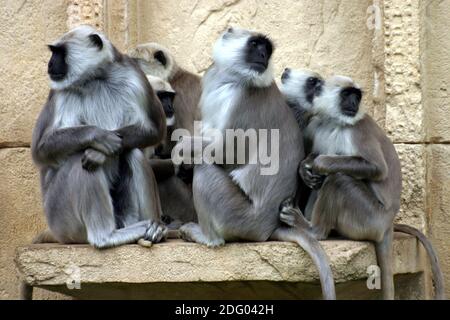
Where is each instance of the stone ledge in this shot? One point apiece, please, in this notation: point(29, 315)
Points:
point(177, 269)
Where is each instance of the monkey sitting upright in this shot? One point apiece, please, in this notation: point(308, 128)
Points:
point(355, 173)
point(157, 61)
point(236, 202)
point(174, 183)
point(97, 186)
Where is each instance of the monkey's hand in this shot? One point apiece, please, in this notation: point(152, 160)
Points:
point(291, 215)
point(107, 142)
point(156, 232)
point(92, 159)
point(309, 176)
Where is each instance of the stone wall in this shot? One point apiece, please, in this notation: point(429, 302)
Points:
point(397, 50)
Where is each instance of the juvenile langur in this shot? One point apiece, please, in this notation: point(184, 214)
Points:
point(175, 189)
point(355, 172)
point(299, 88)
point(236, 201)
point(156, 60)
point(97, 186)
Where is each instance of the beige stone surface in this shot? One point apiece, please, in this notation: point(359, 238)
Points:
point(404, 68)
point(26, 27)
point(328, 36)
point(180, 262)
point(436, 69)
point(439, 204)
point(414, 197)
point(404, 107)
point(21, 216)
point(85, 12)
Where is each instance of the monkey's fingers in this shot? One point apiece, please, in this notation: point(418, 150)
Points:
point(159, 234)
point(287, 219)
point(289, 202)
point(151, 231)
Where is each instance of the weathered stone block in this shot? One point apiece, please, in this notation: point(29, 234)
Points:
point(180, 270)
point(23, 63)
point(439, 204)
point(413, 202)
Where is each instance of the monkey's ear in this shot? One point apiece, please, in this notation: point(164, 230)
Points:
point(161, 57)
point(96, 41)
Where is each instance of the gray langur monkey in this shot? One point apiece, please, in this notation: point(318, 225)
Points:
point(97, 186)
point(299, 88)
point(174, 183)
point(235, 201)
point(355, 173)
point(156, 60)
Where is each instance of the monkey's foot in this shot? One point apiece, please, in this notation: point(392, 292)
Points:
point(291, 215)
point(156, 232)
point(192, 232)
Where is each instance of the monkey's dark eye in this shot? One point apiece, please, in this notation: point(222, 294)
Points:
point(254, 44)
point(230, 30)
point(312, 81)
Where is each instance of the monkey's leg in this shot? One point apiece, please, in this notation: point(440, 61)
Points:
point(177, 202)
point(225, 212)
point(79, 208)
point(136, 196)
point(349, 206)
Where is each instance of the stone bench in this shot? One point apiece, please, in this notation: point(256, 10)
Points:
point(180, 270)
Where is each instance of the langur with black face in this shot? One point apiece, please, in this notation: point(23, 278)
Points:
point(354, 172)
point(157, 61)
point(174, 183)
point(238, 201)
point(97, 186)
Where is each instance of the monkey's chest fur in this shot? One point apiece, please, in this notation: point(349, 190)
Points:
point(109, 105)
point(329, 139)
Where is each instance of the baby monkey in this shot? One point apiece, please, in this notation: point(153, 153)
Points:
point(353, 169)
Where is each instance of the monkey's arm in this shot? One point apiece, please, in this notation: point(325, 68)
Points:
point(139, 137)
point(51, 145)
point(162, 168)
point(356, 167)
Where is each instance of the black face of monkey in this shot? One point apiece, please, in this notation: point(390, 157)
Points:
point(166, 98)
point(57, 66)
point(312, 88)
point(259, 51)
point(350, 100)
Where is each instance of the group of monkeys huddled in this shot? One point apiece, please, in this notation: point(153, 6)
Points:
point(103, 146)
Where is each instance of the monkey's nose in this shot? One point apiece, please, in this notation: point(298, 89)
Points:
point(285, 75)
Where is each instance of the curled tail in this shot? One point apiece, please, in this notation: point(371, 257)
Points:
point(434, 261)
point(317, 253)
point(25, 290)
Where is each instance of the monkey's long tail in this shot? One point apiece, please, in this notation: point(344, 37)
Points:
point(25, 290)
point(434, 261)
point(384, 257)
point(312, 246)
